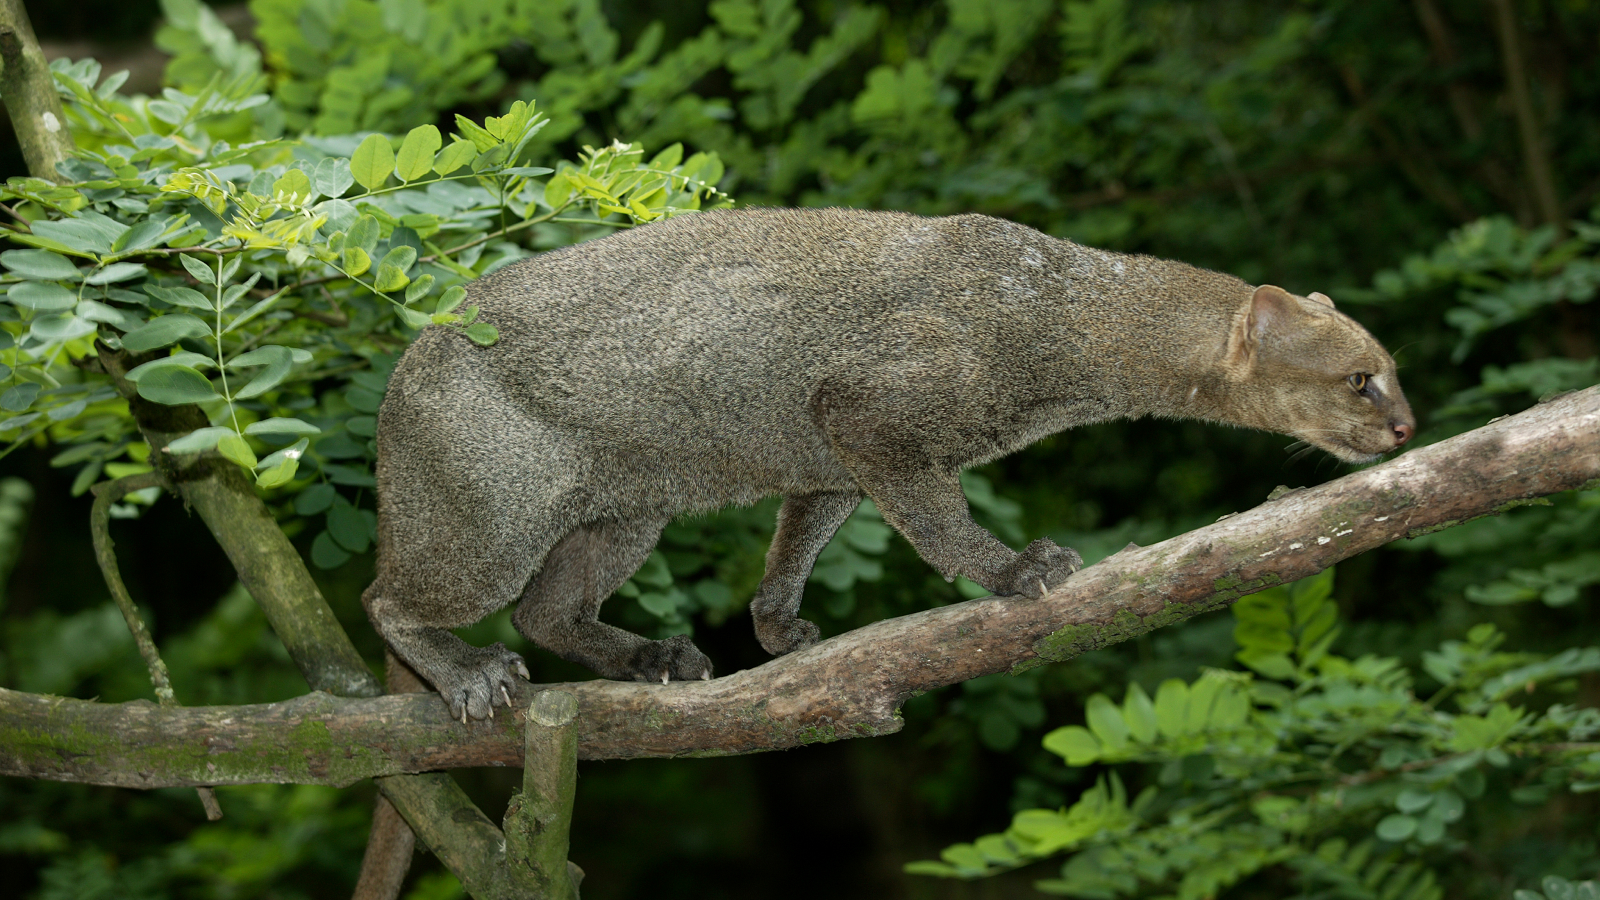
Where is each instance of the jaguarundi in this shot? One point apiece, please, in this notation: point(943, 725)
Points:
point(824, 355)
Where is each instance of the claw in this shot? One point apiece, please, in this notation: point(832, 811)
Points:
point(491, 710)
point(663, 676)
point(463, 715)
point(706, 675)
point(1042, 589)
point(504, 693)
point(522, 669)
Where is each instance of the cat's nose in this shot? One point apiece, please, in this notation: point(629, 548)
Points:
point(1402, 432)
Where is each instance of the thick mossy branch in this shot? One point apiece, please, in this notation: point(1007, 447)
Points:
point(850, 686)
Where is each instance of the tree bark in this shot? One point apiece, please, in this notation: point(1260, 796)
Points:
point(29, 91)
point(852, 685)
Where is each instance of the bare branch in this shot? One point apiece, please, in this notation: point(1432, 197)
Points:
point(852, 685)
point(1535, 151)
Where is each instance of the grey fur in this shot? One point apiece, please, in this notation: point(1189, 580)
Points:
point(820, 355)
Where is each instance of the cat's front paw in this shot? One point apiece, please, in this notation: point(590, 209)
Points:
point(1038, 569)
point(476, 685)
point(674, 659)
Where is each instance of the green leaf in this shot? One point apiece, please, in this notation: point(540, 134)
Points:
point(416, 153)
point(1396, 827)
point(1230, 710)
point(277, 475)
point(181, 296)
point(1172, 707)
point(483, 334)
point(1413, 800)
point(413, 318)
point(1483, 732)
point(168, 329)
point(19, 397)
point(199, 440)
point(271, 353)
point(1074, 743)
point(1140, 714)
point(348, 527)
point(451, 299)
point(182, 358)
point(37, 240)
point(60, 327)
point(472, 131)
point(198, 270)
point(930, 867)
point(1558, 888)
point(363, 234)
point(315, 499)
point(144, 234)
point(1105, 720)
point(363, 400)
point(267, 379)
point(1202, 694)
point(326, 554)
point(1449, 805)
point(356, 261)
point(40, 265)
point(295, 183)
point(95, 311)
point(654, 572)
point(418, 288)
point(43, 296)
point(1273, 665)
point(1320, 624)
point(668, 158)
point(175, 385)
point(401, 257)
point(233, 292)
point(68, 410)
point(281, 426)
point(372, 162)
point(454, 157)
point(332, 176)
point(261, 306)
point(89, 233)
point(557, 191)
point(390, 278)
point(234, 449)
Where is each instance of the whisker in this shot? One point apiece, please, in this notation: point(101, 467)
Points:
point(1308, 448)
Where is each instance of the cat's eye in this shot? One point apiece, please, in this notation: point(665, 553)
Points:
point(1358, 381)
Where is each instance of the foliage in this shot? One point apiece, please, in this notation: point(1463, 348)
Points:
point(273, 283)
point(1558, 888)
point(1325, 766)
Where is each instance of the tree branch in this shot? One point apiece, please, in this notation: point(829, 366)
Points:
point(852, 685)
point(30, 94)
point(1535, 153)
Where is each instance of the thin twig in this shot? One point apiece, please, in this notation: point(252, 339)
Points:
point(99, 527)
point(13, 214)
point(1535, 152)
point(106, 494)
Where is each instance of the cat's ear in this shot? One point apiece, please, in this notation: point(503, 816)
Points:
point(1270, 309)
point(1320, 298)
